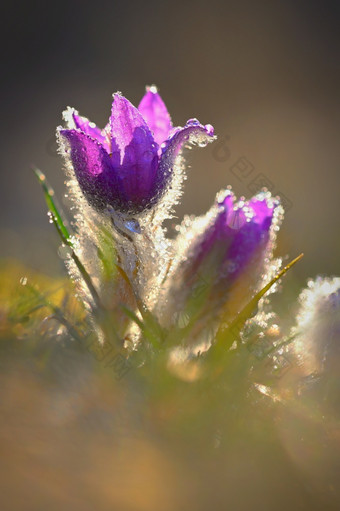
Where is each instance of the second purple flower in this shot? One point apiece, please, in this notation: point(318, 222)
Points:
point(221, 258)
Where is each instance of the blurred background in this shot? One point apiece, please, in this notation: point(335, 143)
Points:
point(265, 74)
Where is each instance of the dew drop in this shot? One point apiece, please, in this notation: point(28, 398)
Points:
point(192, 122)
point(133, 226)
point(153, 89)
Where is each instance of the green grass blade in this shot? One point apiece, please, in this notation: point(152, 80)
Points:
point(148, 329)
point(227, 334)
point(51, 205)
point(64, 234)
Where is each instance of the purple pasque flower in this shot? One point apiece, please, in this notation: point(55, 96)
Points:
point(129, 165)
point(239, 234)
point(222, 256)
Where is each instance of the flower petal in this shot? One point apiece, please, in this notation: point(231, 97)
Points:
point(154, 111)
point(89, 128)
point(263, 211)
point(92, 166)
point(251, 236)
point(138, 172)
point(125, 118)
point(192, 132)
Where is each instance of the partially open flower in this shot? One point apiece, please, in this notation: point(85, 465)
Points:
point(317, 332)
point(223, 256)
point(129, 165)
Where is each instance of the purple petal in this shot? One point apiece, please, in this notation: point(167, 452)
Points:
point(138, 173)
point(236, 237)
point(192, 132)
point(92, 166)
point(236, 218)
point(251, 238)
point(263, 211)
point(130, 187)
point(138, 168)
point(125, 118)
point(154, 111)
point(246, 242)
point(89, 128)
point(228, 201)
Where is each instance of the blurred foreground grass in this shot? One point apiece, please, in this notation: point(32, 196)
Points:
point(76, 434)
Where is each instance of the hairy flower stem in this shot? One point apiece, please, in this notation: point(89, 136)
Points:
point(227, 334)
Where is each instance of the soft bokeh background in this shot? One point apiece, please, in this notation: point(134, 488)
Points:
point(265, 74)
